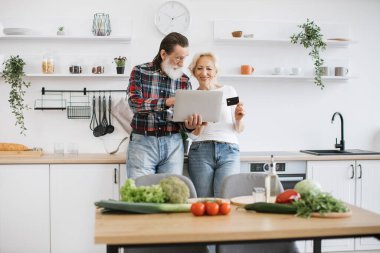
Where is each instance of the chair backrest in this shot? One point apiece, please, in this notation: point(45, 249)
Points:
point(155, 179)
point(242, 184)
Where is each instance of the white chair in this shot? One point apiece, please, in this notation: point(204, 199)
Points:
point(155, 179)
point(240, 185)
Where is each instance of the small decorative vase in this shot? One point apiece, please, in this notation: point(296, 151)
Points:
point(101, 25)
point(60, 33)
point(120, 70)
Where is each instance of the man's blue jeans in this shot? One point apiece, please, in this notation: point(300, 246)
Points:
point(209, 163)
point(151, 154)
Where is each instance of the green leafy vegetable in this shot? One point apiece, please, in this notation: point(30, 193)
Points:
point(110, 206)
point(151, 194)
point(170, 190)
point(320, 202)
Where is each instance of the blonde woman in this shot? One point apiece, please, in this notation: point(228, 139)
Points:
point(214, 152)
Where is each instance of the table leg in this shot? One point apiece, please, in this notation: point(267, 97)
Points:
point(317, 244)
point(112, 249)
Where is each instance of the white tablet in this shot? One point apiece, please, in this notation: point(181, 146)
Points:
point(206, 103)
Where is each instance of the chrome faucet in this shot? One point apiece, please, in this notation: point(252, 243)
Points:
point(341, 143)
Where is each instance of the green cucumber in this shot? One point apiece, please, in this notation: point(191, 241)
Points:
point(263, 207)
point(144, 208)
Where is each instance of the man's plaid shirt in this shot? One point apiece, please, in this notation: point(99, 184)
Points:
point(148, 90)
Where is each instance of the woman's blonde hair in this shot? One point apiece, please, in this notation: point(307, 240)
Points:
point(196, 57)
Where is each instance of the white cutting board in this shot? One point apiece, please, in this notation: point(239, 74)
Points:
point(243, 200)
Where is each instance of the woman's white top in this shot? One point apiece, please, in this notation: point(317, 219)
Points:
point(224, 129)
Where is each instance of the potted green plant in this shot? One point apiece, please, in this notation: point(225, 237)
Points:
point(61, 30)
point(13, 74)
point(311, 37)
point(120, 64)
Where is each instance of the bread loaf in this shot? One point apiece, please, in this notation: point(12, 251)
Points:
point(12, 147)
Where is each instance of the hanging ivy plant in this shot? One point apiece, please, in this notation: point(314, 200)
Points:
point(13, 74)
point(311, 37)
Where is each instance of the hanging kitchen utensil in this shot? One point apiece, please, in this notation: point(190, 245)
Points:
point(94, 120)
point(99, 129)
point(118, 146)
point(110, 128)
point(104, 120)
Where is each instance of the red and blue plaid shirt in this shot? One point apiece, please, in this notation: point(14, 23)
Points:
point(148, 89)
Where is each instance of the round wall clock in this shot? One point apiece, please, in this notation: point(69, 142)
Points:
point(172, 16)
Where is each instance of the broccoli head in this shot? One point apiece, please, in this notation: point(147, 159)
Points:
point(175, 189)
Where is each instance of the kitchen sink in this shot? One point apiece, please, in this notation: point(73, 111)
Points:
point(339, 152)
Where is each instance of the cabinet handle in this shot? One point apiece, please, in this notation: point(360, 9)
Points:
point(360, 171)
point(353, 171)
point(115, 176)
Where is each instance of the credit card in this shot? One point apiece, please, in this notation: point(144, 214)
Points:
point(232, 101)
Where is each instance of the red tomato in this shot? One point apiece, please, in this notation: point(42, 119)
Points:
point(212, 208)
point(219, 201)
point(287, 196)
point(224, 208)
point(198, 209)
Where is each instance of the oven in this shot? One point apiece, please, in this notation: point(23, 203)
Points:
point(289, 172)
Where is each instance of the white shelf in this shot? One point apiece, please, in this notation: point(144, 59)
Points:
point(332, 43)
point(79, 75)
point(121, 39)
point(279, 77)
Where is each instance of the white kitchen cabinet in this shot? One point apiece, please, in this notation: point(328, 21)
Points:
point(73, 190)
point(24, 209)
point(367, 196)
point(354, 182)
point(123, 174)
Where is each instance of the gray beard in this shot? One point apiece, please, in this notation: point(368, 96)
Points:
point(170, 71)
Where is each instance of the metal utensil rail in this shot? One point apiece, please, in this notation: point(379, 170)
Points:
point(84, 91)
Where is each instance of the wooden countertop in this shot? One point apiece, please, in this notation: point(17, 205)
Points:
point(299, 156)
point(93, 158)
point(239, 225)
point(101, 158)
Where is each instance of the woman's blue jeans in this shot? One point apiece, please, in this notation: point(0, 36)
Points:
point(209, 163)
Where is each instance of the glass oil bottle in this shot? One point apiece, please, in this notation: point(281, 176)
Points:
point(271, 185)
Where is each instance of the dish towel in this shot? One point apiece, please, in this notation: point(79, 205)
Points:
point(123, 114)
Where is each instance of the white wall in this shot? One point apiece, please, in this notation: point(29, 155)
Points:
point(281, 115)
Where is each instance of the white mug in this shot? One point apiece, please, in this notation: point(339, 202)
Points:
point(325, 71)
point(296, 71)
point(278, 71)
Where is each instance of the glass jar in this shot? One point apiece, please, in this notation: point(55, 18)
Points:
point(258, 194)
point(75, 69)
point(48, 64)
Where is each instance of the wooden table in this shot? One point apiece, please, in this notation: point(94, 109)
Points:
point(240, 226)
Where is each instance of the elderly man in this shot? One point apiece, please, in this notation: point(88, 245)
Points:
point(156, 144)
